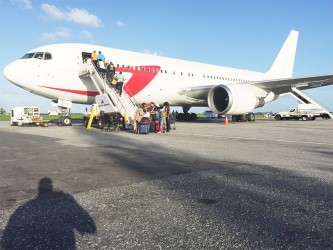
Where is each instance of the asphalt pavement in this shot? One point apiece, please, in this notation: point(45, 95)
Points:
point(204, 185)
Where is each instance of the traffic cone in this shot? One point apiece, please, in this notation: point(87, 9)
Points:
point(226, 122)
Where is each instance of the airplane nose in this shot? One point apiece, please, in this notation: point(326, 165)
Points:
point(9, 72)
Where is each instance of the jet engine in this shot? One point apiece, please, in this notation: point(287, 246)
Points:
point(233, 99)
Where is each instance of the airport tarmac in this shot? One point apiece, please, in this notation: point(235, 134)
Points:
point(205, 185)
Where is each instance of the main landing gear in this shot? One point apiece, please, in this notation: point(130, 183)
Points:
point(65, 119)
point(186, 116)
point(243, 118)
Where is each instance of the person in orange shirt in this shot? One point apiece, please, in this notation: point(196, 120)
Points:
point(94, 58)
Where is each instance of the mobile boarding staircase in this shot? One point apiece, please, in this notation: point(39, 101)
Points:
point(108, 99)
point(304, 99)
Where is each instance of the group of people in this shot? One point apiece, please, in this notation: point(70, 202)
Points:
point(159, 118)
point(108, 71)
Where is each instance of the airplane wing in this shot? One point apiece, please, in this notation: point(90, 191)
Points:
point(277, 86)
point(280, 86)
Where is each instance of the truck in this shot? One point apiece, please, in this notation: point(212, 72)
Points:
point(27, 116)
point(303, 112)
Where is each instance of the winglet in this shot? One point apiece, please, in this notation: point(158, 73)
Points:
point(283, 64)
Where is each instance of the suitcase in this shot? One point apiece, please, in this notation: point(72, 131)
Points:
point(157, 126)
point(144, 128)
point(162, 128)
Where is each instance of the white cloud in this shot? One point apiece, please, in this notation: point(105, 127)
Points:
point(120, 23)
point(53, 12)
point(83, 17)
point(79, 16)
point(59, 33)
point(24, 4)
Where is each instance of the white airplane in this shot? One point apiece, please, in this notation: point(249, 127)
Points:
point(52, 71)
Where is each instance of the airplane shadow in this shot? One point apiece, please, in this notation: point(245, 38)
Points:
point(47, 221)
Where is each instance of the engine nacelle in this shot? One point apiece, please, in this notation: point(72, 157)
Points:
point(233, 99)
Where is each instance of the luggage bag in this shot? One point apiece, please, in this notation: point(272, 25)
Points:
point(144, 128)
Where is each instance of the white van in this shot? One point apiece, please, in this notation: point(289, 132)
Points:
point(210, 114)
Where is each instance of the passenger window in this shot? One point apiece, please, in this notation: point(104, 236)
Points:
point(153, 70)
point(161, 70)
point(143, 69)
point(148, 69)
point(128, 67)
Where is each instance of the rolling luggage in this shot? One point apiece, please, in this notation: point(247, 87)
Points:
point(157, 126)
point(162, 128)
point(144, 125)
point(144, 128)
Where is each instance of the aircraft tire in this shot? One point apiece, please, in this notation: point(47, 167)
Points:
point(60, 120)
point(100, 123)
point(242, 118)
point(251, 117)
point(66, 121)
point(180, 117)
point(277, 117)
point(85, 121)
point(193, 116)
point(187, 117)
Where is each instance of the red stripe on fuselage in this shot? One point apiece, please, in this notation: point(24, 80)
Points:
point(78, 92)
point(138, 81)
point(140, 78)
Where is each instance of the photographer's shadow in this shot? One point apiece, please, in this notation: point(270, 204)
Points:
point(47, 221)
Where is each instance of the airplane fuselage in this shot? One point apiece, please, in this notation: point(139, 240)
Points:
point(148, 77)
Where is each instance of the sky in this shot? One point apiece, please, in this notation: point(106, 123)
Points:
point(245, 34)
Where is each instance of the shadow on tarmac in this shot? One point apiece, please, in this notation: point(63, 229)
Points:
point(250, 206)
point(265, 206)
point(47, 222)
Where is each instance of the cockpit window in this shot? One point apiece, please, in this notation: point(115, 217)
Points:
point(47, 56)
point(28, 55)
point(38, 55)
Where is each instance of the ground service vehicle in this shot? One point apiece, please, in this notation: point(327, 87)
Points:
point(303, 112)
point(26, 116)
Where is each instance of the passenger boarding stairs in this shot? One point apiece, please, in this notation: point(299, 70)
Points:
point(108, 99)
point(304, 99)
